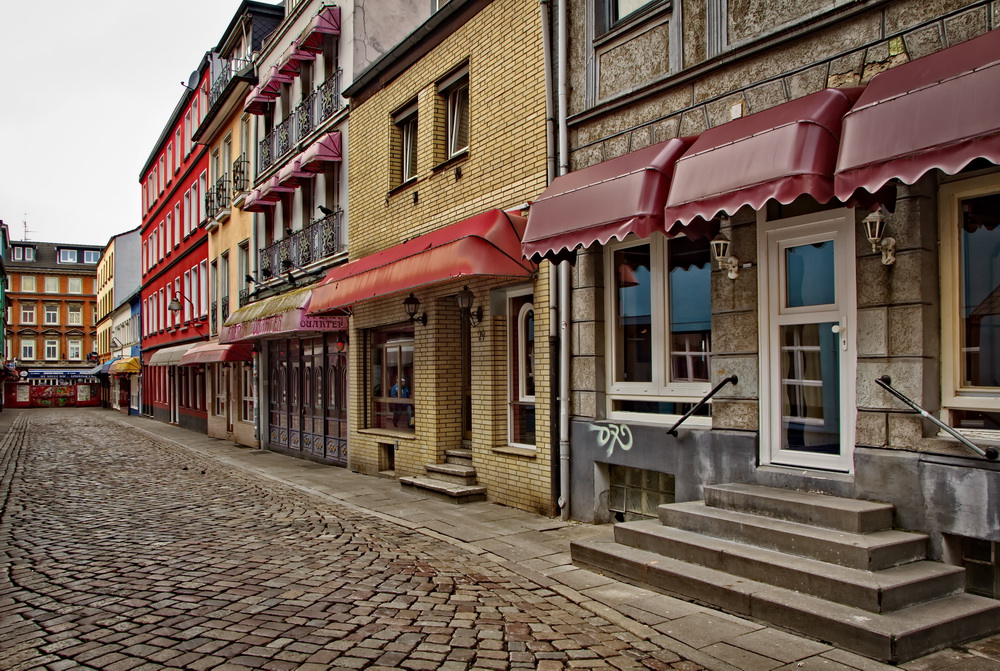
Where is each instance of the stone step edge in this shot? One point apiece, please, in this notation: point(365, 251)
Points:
point(442, 486)
point(458, 470)
point(891, 637)
point(822, 510)
point(876, 550)
point(886, 590)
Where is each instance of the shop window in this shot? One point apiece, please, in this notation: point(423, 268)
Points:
point(521, 357)
point(659, 325)
point(392, 380)
point(970, 303)
point(219, 379)
point(635, 493)
point(248, 394)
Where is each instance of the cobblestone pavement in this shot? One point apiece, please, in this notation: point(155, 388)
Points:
point(121, 551)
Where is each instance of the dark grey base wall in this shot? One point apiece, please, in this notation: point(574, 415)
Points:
point(695, 458)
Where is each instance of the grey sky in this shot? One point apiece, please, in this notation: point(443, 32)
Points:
point(87, 88)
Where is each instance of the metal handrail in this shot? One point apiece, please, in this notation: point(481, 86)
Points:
point(732, 379)
point(886, 383)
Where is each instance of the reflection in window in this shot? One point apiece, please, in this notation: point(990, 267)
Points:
point(690, 287)
point(392, 380)
point(634, 327)
point(521, 327)
point(980, 291)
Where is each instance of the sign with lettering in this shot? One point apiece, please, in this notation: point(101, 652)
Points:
point(292, 321)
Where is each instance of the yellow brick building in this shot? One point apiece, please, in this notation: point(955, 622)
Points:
point(445, 139)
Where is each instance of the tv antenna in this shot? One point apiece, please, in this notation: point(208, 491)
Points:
point(26, 229)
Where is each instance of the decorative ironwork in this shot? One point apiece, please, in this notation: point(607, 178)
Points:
point(225, 309)
point(210, 203)
point(266, 157)
point(305, 116)
point(241, 175)
point(329, 97)
point(214, 317)
point(283, 137)
point(222, 198)
point(228, 70)
point(244, 297)
point(321, 239)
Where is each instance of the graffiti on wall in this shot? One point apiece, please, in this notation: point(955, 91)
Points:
point(611, 436)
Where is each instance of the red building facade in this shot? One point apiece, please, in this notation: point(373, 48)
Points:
point(174, 261)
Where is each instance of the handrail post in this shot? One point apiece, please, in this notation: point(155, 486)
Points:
point(886, 383)
point(732, 379)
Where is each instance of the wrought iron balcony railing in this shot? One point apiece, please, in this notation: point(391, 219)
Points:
point(321, 239)
point(228, 70)
point(225, 309)
point(210, 205)
point(222, 197)
point(241, 175)
point(314, 109)
point(214, 317)
point(244, 297)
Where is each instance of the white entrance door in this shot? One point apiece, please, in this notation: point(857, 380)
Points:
point(808, 329)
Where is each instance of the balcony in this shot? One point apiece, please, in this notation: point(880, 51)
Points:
point(225, 309)
point(223, 199)
point(314, 109)
point(241, 175)
point(244, 297)
point(227, 70)
point(315, 242)
point(214, 318)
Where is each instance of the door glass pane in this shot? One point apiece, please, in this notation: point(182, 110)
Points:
point(690, 287)
point(980, 286)
point(633, 321)
point(810, 388)
point(819, 287)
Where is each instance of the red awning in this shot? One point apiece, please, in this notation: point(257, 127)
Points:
point(326, 22)
point(292, 174)
point(271, 84)
point(271, 190)
point(487, 244)
point(780, 153)
point(940, 111)
point(212, 352)
point(289, 66)
point(608, 200)
point(319, 153)
point(256, 103)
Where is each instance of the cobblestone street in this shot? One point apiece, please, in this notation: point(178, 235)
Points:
point(121, 551)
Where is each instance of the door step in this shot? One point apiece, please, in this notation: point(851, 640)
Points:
point(454, 481)
point(823, 566)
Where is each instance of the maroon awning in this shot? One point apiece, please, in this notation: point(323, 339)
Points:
point(319, 153)
point(780, 153)
point(608, 200)
point(292, 175)
point(271, 190)
point(255, 203)
point(940, 111)
point(211, 352)
point(256, 103)
point(326, 22)
point(487, 244)
point(271, 84)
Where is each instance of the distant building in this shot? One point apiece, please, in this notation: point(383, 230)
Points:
point(52, 300)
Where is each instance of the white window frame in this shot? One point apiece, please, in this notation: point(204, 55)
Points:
point(51, 317)
point(29, 313)
point(74, 315)
point(660, 388)
point(954, 395)
point(74, 285)
point(455, 90)
point(29, 285)
point(67, 256)
point(74, 350)
point(29, 253)
point(91, 256)
point(49, 281)
point(28, 348)
point(18, 253)
point(407, 126)
point(515, 324)
point(51, 350)
point(248, 394)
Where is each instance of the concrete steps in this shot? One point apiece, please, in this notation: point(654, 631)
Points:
point(454, 481)
point(819, 565)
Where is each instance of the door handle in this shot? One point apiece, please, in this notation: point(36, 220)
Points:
point(841, 329)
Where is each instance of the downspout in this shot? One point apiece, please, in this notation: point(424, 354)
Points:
point(564, 272)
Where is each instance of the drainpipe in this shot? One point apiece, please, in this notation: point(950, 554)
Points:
point(564, 271)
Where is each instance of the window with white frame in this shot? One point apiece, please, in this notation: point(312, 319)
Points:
point(74, 350)
point(29, 253)
point(169, 233)
point(186, 307)
point(202, 190)
point(67, 256)
point(455, 91)
point(75, 285)
point(970, 303)
point(27, 348)
point(52, 315)
point(51, 350)
point(74, 315)
point(392, 380)
point(161, 241)
point(27, 313)
point(203, 284)
point(91, 256)
point(521, 368)
point(177, 224)
point(187, 213)
point(18, 253)
point(51, 285)
point(28, 283)
point(220, 377)
point(248, 394)
point(170, 160)
point(177, 154)
point(187, 133)
point(406, 137)
point(659, 325)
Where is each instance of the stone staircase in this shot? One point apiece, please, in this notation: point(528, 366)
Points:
point(829, 568)
point(454, 480)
